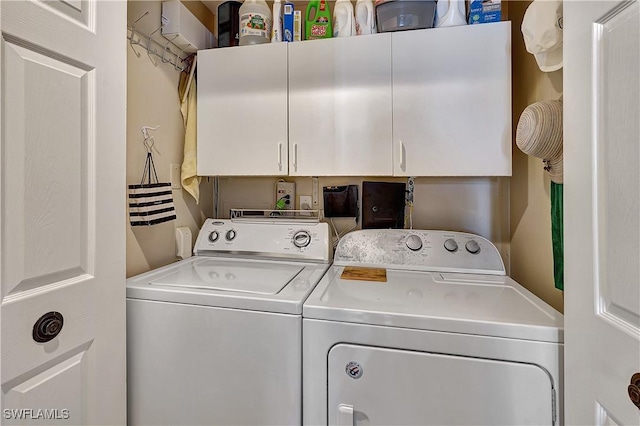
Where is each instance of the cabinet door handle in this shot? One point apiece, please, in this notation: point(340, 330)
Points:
point(295, 157)
point(280, 156)
point(345, 415)
point(401, 155)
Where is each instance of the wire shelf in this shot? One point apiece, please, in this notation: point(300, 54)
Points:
point(275, 216)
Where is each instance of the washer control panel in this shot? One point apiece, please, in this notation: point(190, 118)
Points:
point(295, 240)
point(421, 250)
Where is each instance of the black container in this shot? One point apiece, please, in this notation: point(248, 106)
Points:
point(398, 15)
point(228, 24)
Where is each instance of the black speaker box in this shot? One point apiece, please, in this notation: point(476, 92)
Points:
point(383, 205)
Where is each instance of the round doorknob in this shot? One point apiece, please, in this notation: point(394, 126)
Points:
point(47, 327)
point(634, 390)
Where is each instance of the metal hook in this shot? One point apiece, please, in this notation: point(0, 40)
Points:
point(133, 27)
point(149, 51)
point(178, 59)
point(166, 48)
point(148, 139)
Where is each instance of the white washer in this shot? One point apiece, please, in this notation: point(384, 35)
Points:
point(216, 339)
point(448, 339)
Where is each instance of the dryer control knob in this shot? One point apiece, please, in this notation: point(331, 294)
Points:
point(473, 247)
point(213, 236)
point(231, 234)
point(451, 245)
point(301, 239)
point(413, 242)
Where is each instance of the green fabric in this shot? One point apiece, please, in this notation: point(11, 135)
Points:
point(557, 235)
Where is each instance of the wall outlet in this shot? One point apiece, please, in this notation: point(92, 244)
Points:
point(305, 202)
point(285, 195)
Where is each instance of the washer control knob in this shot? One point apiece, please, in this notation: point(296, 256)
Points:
point(413, 242)
point(472, 247)
point(213, 236)
point(451, 245)
point(301, 239)
point(230, 235)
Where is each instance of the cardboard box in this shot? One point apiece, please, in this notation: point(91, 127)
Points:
point(287, 22)
point(297, 25)
point(484, 11)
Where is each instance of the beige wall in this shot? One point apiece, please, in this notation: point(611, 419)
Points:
point(152, 99)
point(477, 205)
point(531, 255)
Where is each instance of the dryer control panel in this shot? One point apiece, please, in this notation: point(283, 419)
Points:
point(420, 250)
point(290, 240)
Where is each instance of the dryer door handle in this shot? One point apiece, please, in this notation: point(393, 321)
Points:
point(345, 415)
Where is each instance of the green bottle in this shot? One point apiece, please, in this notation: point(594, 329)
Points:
point(320, 25)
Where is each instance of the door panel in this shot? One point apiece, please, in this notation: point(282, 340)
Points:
point(602, 202)
point(378, 386)
point(45, 207)
point(62, 210)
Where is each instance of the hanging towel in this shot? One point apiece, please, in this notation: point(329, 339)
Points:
point(557, 235)
point(190, 182)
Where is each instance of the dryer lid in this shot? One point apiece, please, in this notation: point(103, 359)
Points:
point(459, 303)
point(240, 276)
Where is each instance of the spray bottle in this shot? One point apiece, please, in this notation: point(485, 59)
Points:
point(450, 13)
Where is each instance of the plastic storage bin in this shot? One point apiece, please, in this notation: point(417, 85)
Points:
point(398, 15)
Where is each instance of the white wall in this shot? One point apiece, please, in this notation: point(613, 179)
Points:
point(152, 99)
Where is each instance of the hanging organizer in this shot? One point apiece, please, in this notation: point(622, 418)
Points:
point(150, 202)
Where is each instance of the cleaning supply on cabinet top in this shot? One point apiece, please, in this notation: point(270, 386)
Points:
point(287, 21)
point(318, 20)
point(484, 11)
point(276, 32)
point(399, 15)
point(255, 22)
point(450, 13)
point(344, 24)
point(297, 25)
point(365, 17)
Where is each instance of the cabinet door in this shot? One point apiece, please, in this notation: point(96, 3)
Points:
point(452, 101)
point(242, 110)
point(340, 106)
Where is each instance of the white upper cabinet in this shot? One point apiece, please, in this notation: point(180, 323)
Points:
point(434, 102)
point(242, 111)
point(340, 107)
point(452, 101)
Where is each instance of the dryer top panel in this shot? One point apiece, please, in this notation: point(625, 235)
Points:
point(418, 250)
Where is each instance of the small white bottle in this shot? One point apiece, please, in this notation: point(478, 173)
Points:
point(255, 22)
point(365, 17)
point(450, 13)
point(276, 33)
point(344, 24)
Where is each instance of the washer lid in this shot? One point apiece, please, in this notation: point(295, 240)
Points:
point(487, 305)
point(232, 275)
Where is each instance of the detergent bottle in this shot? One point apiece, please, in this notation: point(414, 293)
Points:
point(318, 24)
point(365, 17)
point(344, 24)
point(255, 22)
point(450, 13)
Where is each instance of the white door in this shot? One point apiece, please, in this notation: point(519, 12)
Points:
point(62, 211)
point(452, 101)
point(340, 107)
point(602, 211)
point(242, 111)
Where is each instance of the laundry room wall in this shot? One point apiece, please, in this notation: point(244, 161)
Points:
point(531, 252)
point(152, 99)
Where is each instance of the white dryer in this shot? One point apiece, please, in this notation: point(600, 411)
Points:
point(216, 339)
point(446, 339)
